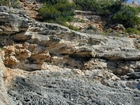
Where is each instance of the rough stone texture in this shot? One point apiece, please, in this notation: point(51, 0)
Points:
point(13, 23)
point(3, 93)
point(65, 67)
point(4, 99)
point(55, 88)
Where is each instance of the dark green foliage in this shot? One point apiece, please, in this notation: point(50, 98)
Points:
point(127, 16)
point(57, 11)
point(85, 4)
point(61, 11)
point(100, 7)
point(49, 12)
point(119, 12)
point(53, 2)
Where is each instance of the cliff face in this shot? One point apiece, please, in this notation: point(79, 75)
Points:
point(48, 64)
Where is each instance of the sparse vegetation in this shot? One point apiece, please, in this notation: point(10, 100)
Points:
point(120, 13)
point(61, 11)
point(70, 26)
point(127, 16)
point(57, 11)
point(116, 10)
point(100, 7)
point(133, 31)
point(10, 3)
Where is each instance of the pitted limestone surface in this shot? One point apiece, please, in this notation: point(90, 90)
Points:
point(53, 89)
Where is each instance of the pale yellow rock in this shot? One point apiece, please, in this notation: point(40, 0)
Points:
point(56, 60)
point(22, 54)
point(95, 64)
point(77, 71)
point(40, 58)
point(11, 61)
point(53, 68)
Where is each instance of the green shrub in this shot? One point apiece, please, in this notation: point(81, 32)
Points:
point(82, 21)
point(127, 16)
point(61, 11)
point(53, 2)
point(57, 10)
point(100, 7)
point(49, 12)
point(133, 31)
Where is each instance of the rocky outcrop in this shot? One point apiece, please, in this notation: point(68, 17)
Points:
point(12, 23)
point(50, 64)
point(87, 22)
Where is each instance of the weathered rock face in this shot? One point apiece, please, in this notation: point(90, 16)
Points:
point(66, 67)
point(4, 99)
point(44, 88)
point(12, 23)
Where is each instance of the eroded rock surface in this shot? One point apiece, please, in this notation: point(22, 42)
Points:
point(64, 88)
point(49, 64)
point(4, 99)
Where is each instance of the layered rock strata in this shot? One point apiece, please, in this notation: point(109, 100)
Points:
point(49, 64)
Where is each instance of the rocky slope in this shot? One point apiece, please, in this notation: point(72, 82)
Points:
point(48, 64)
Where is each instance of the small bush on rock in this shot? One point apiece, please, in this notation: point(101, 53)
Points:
point(60, 11)
point(127, 16)
point(57, 11)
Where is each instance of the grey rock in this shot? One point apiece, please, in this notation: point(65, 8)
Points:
point(134, 75)
point(4, 9)
point(12, 23)
point(40, 89)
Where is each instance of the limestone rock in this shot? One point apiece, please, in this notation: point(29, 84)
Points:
point(77, 71)
point(52, 68)
point(4, 99)
point(63, 66)
point(40, 58)
point(134, 75)
point(83, 51)
point(11, 61)
point(45, 87)
point(22, 54)
point(29, 67)
point(60, 61)
point(39, 54)
point(4, 9)
point(101, 74)
point(15, 54)
point(96, 64)
point(11, 23)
